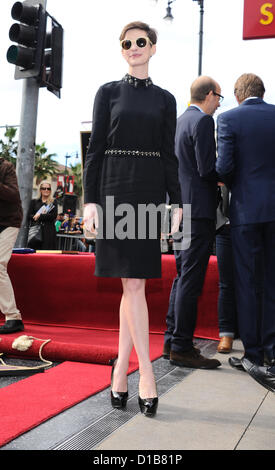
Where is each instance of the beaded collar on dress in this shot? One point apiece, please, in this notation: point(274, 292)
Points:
point(135, 82)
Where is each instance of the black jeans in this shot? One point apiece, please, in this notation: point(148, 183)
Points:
point(227, 310)
point(187, 286)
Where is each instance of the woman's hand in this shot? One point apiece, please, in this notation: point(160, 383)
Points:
point(90, 217)
point(36, 216)
point(176, 220)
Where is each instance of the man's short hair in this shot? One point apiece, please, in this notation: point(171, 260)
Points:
point(201, 87)
point(248, 85)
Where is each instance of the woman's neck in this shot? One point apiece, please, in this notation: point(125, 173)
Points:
point(43, 199)
point(140, 72)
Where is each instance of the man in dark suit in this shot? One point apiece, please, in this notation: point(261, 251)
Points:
point(196, 150)
point(246, 162)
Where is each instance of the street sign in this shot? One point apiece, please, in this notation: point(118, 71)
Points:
point(259, 19)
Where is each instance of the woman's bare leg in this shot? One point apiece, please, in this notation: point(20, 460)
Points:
point(136, 312)
point(125, 347)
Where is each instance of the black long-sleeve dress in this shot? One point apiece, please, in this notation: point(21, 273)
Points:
point(130, 160)
point(49, 239)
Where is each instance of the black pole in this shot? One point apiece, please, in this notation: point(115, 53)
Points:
point(65, 173)
point(201, 36)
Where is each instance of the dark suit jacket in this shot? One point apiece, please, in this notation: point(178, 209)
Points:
point(195, 148)
point(246, 160)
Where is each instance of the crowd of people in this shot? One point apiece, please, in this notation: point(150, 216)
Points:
point(65, 223)
point(139, 153)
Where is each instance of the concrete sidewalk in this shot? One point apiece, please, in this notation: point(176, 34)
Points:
point(222, 409)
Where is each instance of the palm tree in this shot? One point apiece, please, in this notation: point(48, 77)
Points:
point(44, 166)
point(8, 148)
point(77, 172)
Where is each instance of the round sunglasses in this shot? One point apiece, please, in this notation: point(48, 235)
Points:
point(126, 44)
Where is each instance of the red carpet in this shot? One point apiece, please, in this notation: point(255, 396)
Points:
point(35, 399)
point(61, 300)
point(67, 344)
point(61, 290)
point(93, 346)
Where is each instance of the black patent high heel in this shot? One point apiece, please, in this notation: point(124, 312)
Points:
point(118, 399)
point(148, 406)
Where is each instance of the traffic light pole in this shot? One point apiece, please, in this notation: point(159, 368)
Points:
point(26, 152)
point(38, 59)
point(26, 145)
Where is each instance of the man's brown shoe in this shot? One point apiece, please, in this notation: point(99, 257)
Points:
point(192, 359)
point(225, 345)
point(167, 350)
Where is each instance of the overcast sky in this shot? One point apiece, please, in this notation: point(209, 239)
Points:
point(92, 57)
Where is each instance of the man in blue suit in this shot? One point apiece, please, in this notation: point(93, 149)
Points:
point(246, 163)
point(195, 148)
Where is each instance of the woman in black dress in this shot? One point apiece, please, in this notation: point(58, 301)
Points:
point(47, 220)
point(130, 160)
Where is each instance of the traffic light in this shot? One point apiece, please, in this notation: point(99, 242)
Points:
point(51, 72)
point(29, 34)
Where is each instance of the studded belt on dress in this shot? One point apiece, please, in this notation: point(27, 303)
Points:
point(131, 153)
